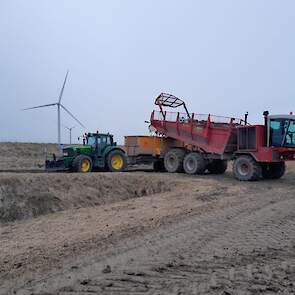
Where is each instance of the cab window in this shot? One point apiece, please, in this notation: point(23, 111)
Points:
point(103, 140)
point(91, 140)
point(109, 141)
point(290, 136)
point(276, 132)
point(282, 132)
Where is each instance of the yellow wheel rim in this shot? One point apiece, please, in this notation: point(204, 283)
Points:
point(117, 162)
point(85, 165)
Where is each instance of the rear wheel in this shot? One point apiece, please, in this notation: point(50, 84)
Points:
point(116, 161)
point(273, 170)
point(217, 166)
point(194, 163)
point(82, 164)
point(173, 160)
point(247, 169)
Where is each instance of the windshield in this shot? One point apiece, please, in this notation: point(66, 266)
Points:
point(282, 132)
point(91, 140)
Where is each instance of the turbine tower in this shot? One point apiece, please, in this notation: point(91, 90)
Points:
point(70, 132)
point(59, 106)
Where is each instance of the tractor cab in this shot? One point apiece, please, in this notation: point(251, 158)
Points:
point(281, 131)
point(99, 141)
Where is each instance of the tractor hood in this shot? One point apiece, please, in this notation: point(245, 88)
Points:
point(72, 150)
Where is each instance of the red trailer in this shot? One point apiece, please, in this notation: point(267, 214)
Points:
point(206, 142)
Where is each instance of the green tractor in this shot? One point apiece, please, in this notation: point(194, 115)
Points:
point(98, 152)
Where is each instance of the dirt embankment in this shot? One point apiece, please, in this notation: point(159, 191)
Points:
point(29, 195)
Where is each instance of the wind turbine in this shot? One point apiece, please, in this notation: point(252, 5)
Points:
point(70, 131)
point(59, 106)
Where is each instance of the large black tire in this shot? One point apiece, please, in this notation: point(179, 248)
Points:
point(194, 163)
point(273, 170)
point(158, 166)
point(247, 169)
point(82, 164)
point(173, 160)
point(116, 161)
point(217, 166)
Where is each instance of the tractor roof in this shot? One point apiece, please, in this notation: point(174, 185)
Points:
point(291, 117)
point(98, 134)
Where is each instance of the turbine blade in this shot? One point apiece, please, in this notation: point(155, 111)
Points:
point(41, 106)
point(72, 115)
point(63, 87)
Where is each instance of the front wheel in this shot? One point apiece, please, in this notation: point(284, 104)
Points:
point(116, 161)
point(173, 160)
point(247, 169)
point(273, 170)
point(82, 164)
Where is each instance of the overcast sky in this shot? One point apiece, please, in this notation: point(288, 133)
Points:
point(223, 57)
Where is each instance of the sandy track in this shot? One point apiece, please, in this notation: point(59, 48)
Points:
point(208, 235)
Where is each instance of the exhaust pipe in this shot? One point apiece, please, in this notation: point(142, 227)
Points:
point(265, 114)
point(246, 118)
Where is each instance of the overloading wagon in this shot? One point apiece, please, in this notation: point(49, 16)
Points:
point(210, 141)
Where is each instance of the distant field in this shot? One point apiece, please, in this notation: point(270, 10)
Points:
point(20, 156)
point(31, 156)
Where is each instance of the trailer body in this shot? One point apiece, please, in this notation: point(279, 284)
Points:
point(200, 132)
point(148, 150)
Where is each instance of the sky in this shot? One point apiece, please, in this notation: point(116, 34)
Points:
point(223, 57)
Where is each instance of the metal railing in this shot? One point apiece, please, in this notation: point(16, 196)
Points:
point(185, 118)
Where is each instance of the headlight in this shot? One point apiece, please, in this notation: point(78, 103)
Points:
point(66, 154)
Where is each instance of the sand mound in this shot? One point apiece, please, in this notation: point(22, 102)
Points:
point(29, 195)
point(20, 156)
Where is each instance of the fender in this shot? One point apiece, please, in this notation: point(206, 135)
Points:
point(110, 149)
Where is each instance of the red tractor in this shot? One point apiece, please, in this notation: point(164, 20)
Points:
point(206, 142)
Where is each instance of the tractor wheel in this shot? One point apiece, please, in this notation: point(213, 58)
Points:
point(116, 161)
point(217, 166)
point(247, 169)
point(173, 160)
point(158, 166)
point(194, 163)
point(273, 170)
point(82, 164)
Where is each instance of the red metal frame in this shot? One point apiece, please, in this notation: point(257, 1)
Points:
point(265, 154)
point(171, 101)
point(212, 134)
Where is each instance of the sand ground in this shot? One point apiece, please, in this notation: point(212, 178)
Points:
point(145, 233)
